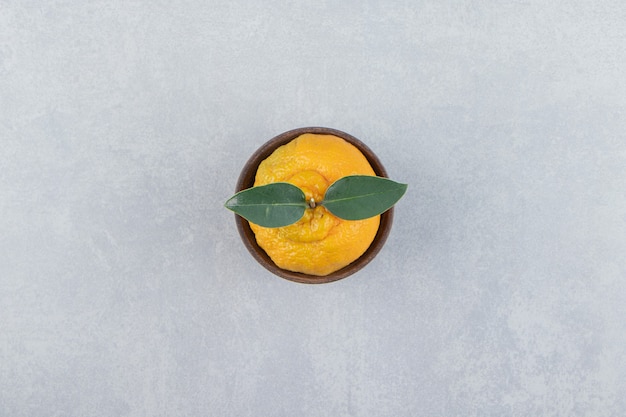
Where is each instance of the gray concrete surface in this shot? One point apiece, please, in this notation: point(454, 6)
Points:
point(124, 287)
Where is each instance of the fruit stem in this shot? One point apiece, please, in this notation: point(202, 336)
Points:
point(312, 203)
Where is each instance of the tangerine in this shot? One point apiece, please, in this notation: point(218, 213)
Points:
point(319, 243)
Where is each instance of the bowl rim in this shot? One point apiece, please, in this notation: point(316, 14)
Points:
point(246, 180)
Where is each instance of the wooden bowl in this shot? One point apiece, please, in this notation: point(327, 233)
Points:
point(246, 180)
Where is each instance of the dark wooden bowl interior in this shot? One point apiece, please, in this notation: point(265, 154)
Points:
point(246, 180)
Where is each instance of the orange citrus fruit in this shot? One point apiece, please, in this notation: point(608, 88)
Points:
point(319, 243)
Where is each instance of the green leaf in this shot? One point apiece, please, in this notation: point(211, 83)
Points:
point(358, 197)
point(272, 205)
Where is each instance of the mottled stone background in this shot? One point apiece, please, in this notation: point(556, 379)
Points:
point(124, 287)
